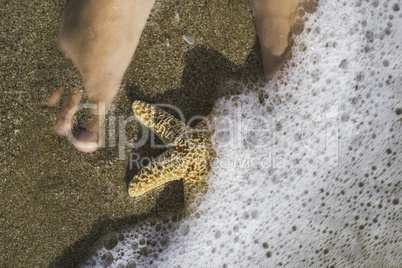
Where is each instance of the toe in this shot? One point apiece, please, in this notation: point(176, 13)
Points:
point(55, 97)
point(87, 142)
point(64, 121)
point(90, 140)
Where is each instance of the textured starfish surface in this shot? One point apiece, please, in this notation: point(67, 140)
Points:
point(189, 155)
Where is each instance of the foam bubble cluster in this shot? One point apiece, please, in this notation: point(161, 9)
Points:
point(308, 172)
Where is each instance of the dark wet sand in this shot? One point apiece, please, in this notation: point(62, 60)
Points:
point(55, 201)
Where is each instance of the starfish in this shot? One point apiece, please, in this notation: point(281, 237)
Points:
point(189, 155)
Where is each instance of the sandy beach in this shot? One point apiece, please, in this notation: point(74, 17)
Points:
point(55, 201)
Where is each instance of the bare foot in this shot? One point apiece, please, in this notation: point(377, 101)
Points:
point(100, 37)
point(275, 21)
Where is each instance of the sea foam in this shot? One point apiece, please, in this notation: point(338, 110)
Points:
point(308, 172)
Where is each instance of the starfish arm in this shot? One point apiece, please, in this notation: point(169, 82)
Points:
point(166, 126)
point(205, 124)
point(166, 167)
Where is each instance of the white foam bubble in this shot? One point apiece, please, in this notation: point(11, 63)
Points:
point(326, 190)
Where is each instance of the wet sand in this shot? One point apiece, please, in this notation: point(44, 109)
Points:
point(55, 201)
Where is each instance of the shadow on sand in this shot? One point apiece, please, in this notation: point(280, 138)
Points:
point(203, 75)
